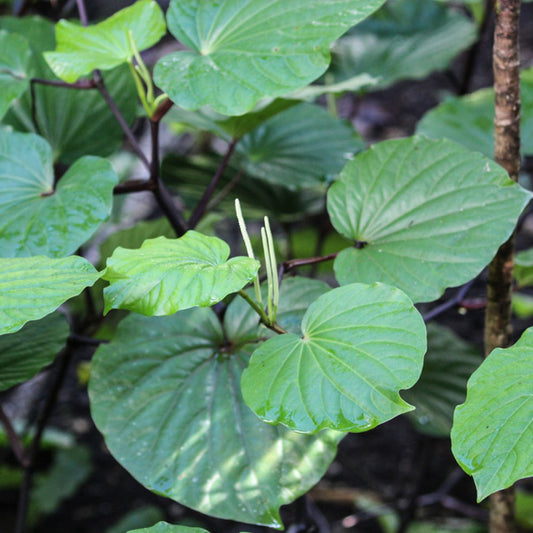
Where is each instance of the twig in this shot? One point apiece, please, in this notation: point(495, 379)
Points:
point(200, 209)
point(82, 12)
point(226, 190)
point(81, 84)
point(452, 302)
point(134, 185)
point(286, 266)
point(162, 110)
point(13, 438)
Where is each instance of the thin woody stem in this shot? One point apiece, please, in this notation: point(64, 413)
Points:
point(82, 12)
point(13, 438)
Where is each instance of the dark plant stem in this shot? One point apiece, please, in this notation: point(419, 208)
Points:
point(161, 193)
point(20, 9)
point(506, 66)
point(56, 382)
point(99, 81)
point(226, 190)
point(200, 209)
point(74, 338)
point(134, 185)
point(448, 304)
point(13, 438)
point(162, 110)
point(82, 12)
point(81, 84)
point(286, 266)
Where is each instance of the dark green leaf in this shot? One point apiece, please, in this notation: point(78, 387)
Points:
point(136, 518)
point(282, 45)
point(492, 434)
point(361, 345)
point(448, 364)
point(33, 287)
point(163, 527)
point(168, 275)
point(405, 39)
point(37, 219)
point(105, 45)
point(427, 215)
point(24, 353)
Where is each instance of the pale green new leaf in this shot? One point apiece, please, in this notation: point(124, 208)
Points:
point(361, 345)
point(33, 287)
point(35, 217)
point(243, 51)
point(24, 353)
point(164, 527)
point(424, 215)
point(168, 275)
point(449, 363)
point(165, 393)
point(492, 434)
point(14, 60)
point(469, 120)
point(405, 39)
point(105, 45)
point(523, 267)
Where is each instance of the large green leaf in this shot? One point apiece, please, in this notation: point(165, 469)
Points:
point(492, 434)
point(14, 59)
point(83, 123)
point(33, 287)
point(299, 147)
point(361, 344)
point(165, 393)
point(24, 353)
point(425, 215)
point(243, 51)
point(35, 217)
point(105, 45)
point(469, 120)
point(168, 275)
point(449, 363)
point(164, 527)
point(405, 39)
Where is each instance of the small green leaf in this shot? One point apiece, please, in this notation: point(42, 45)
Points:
point(24, 353)
point(165, 393)
point(33, 287)
point(469, 120)
point(492, 434)
point(168, 275)
point(405, 39)
point(14, 60)
point(299, 147)
point(522, 305)
point(426, 215)
point(138, 517)
point(361, 344)
point(164, 527)
point(449, 363)
point(105, 45)
point(37, 219)
point(523, 268)
point(281, 46)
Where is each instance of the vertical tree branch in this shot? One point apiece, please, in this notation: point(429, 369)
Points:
point(506, 65)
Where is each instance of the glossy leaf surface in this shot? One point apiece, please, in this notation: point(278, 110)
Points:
point(164, 527)
point(33, 287)
point(427, 215)
point(469, 120)
point(168, 275)
point(449, 363)
point(405, 39)
point(14, 60)
point(241, 52)
point(361, 345)
point(492, 434)
point(24, 353)
point(37, 219)
point(302, 146)
point(105, 45)
point(82, 124)
point(165, 393)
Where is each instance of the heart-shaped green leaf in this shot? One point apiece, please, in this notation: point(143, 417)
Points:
point(168, 275)
point(425, 215)
point(241, 52)
point(448, 364)
point(105, 45)
point(492, 434)
point(14, 60)
point(37, 219)
point(469, 120)
point(164, 527)
point(165, 393)
point(33, 287)
point(361, 345)
point(405, 39)
point(24, 353)
point(85, 125)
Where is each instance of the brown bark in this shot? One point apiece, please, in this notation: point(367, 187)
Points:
point(506, 64)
